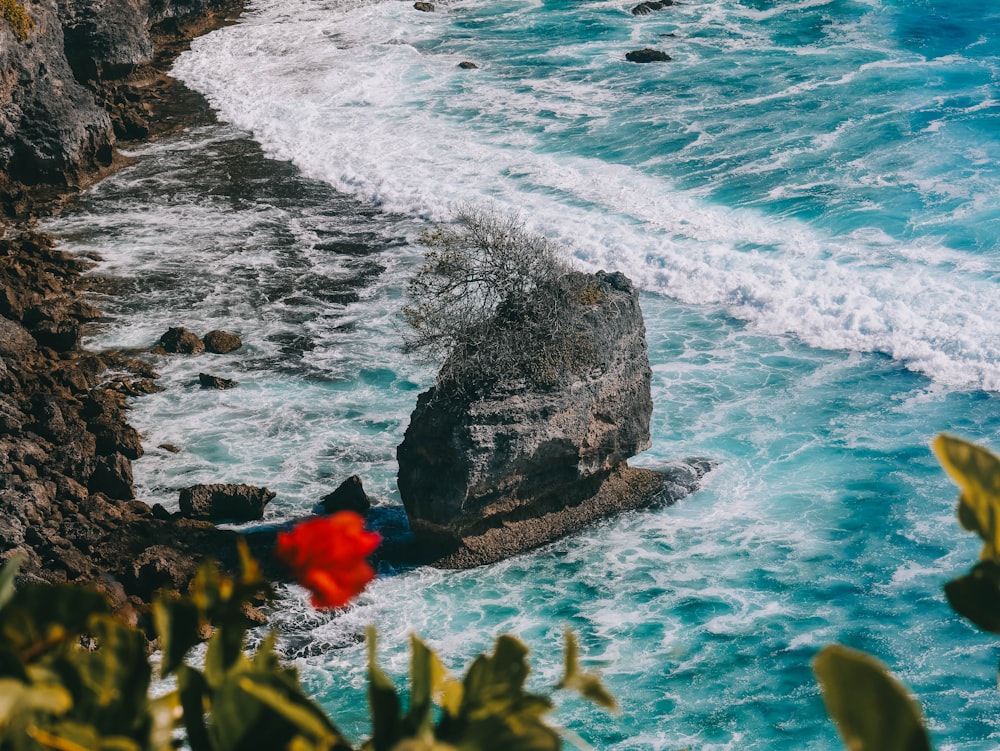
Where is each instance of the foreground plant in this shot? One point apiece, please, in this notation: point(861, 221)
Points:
point(58, 695)
point(872, 710)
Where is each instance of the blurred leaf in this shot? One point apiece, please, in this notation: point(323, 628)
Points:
point(110, 683)
point(589, 686)
point(165, 713)
point(871, 709)
point(253, 711)
point(977, 472)
point(224, 654)
point(177, 626)
point(40, 617)
point(17, 697)
point(976, 596)
point(192, 689)
point(383, 701)
point(427, 676)
point(7, 575)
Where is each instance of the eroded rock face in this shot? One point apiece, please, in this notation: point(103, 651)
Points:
point(221, 502)
point(477, 463)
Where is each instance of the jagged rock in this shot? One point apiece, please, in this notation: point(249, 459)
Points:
point(170, 447)
point(221, 342)
point(647, 55)
point(488, 473)
point(219, 502)
point(349, 496)
point(644, 9)
point(425, 7)
point(468, 65)
point(179, 340)
point(15, 341)
point(214, 382)
point(160, 567)
point(113, 476)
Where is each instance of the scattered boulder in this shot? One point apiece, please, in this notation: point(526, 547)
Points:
point(492, 471)
point(221, 342)
point(647, 55)
point(425, 7)
point(15, 341)
point(468, 65)
point(221, 502)
point(644, 9)
point(179, 340)
point(215, 382)
point(112, 476)
point(349, 496)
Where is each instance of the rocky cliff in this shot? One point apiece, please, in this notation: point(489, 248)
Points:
point(85, 74)
point(488, 472)
point(74, 86)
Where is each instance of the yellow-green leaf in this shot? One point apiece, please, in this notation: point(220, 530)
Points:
point(977, 472)
point(871, 709)
point(589, 686)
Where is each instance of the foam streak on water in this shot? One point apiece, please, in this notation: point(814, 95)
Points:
point(807, 196)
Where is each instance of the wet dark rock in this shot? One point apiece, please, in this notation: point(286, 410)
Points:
point(215, 382)
point(468, 65)
point(113, 477)
point(349, 496)
point(221, 342)
point(179, 340)
point(647, 55)
point(491, 471)
point(170, 447)
point(423, 6)
point(644, 9)
point(221, 502)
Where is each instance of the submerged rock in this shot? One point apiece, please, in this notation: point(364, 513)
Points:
point(468, 65)
point(179, 340)
point(425, 7)
point(350, 495)
point(219, 502)
point(208, 381)
point(489, 472)
point(647, 55)
point(221, 342)
point(644, 9)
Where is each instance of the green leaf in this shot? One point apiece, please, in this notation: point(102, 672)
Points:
point(253, 711)
point(19, 698)
point(177, 626)
point(427, 676)
point(224, 654)
point(383, 702)
point(977, 472)
point(7, 575)
point(589, 686)
point(41, 617)
point(114, 679)
point(871, 709)
point(976, 596)
point(192, 689)
point(165, 714)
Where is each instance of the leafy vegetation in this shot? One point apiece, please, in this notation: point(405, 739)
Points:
point(492, 298)
point(74, 678)
point(15, 15)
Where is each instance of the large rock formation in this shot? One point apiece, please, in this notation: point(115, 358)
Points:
point(491, 471)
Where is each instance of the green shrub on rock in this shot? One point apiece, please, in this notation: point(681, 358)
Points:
point(15, 15)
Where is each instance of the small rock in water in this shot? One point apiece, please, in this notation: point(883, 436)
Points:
point(170, 447)
point(349, 496)
point(239, 503)
point(644, 9)
point(425, 7)
point(647, 56)
point(467, 65)
point(179, 340)
point(215, 382)
point(221, 342)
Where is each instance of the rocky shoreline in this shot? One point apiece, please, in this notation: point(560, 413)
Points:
point(66, 499)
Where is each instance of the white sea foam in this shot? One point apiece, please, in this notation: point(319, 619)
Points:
point(358, 98)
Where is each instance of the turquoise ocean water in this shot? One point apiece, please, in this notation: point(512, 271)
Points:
point(808, 195)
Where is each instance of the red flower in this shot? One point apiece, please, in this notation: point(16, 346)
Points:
point(327, 556)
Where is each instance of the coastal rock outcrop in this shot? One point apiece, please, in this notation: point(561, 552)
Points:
point(647, 55)
point(225, 502)
point(350, 495)
point(486, 473)
point(644, 9)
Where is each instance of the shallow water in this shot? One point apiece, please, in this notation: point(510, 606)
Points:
point(807, 196)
